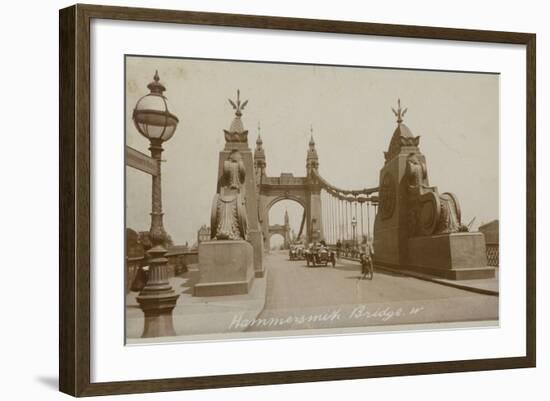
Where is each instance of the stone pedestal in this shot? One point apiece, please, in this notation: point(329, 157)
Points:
point(457, 256)
point(254, 230)
point(226, 268)
point(390, 225)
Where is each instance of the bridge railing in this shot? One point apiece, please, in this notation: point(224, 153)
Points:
point(137, 266)
point(348, 253)
point(492, 254)
point(180, 260)
point(133, 264)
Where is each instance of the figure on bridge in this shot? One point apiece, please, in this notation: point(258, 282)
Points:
point(416, 227)
point(429, 212)
point(228, 219)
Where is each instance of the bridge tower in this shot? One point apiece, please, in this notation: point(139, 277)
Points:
point(287, 220)
point(417, 227)
point(305, 190)
point(390, 226)
point(281, 229)
point(286, 244)
point(236, 138)
point(313, 208)
point(259, 159)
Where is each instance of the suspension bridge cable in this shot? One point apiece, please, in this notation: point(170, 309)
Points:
point(344, 219)
point(368, 220)
point(322, 218)
point(362, 231)
point(355, 192)
point(326, 220)
point(355, 229)
point(334, 219)
point(302, 225)
point(347, 219)
point(324, 215)
point(340, 219)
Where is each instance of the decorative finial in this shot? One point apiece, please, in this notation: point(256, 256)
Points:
point(237, 106)
point(311, 141)
point(400, 113)
point(156, 86)
point(259, 141)
point(237, 132)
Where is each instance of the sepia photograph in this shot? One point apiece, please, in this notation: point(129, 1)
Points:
point(269, 199)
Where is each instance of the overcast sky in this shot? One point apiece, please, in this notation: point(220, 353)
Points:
point(455, 114)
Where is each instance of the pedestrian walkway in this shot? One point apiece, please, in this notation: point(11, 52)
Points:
point(199, 317)
point(480, 286)
point(293, 298)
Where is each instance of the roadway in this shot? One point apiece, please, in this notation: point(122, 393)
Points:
point(300, 297)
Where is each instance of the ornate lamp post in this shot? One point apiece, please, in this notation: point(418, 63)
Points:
point(354, 225)
point(155, 122)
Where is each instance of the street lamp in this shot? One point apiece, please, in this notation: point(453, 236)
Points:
point(354, 224)
point(155, 122)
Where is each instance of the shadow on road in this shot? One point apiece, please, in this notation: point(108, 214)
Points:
point(388, 273)
point(348, 268)
point(353, 277)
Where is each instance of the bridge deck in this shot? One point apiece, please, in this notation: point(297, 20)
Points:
point(346, 301)
point(296, 297)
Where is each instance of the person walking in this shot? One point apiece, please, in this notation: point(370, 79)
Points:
point(367, 262)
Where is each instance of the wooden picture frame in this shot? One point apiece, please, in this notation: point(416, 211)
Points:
point(74, 199)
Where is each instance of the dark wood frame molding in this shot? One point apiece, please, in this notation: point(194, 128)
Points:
point(74, 199)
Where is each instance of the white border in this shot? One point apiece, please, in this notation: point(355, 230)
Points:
point(112, 361)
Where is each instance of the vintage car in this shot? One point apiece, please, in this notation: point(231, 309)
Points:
point(320, 255)
point(296, 252)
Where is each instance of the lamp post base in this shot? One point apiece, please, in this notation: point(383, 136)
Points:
point(158, 299)
point(157, 309)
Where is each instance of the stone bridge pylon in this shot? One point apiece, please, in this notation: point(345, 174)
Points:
point(305, 190)
point(281, 229)
point(261, 192)
point(236, 146)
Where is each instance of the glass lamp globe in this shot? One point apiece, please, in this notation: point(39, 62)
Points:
point(152, 116)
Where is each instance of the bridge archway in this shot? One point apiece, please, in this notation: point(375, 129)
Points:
point(307, 191)
point(283, 215)
point(276, 199)
point(276, 241)
point(299, 189)
point(279, 229)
